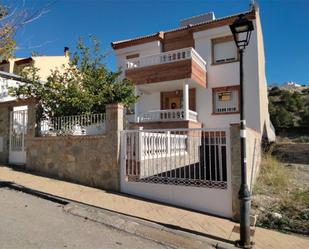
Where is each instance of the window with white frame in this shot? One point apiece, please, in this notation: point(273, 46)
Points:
point(224, 50)
point(226, 100)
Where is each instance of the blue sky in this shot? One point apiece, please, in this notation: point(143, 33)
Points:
point(285, 26)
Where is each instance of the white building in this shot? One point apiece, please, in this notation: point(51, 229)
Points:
point(7, 80)
point(188, 77)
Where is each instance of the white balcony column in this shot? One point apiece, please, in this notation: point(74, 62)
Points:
point(186, 100)
point(136, 117)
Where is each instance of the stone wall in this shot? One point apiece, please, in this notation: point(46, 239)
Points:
point(88, 160)
point(235, 167)
point(253, 151)
point(4, 134)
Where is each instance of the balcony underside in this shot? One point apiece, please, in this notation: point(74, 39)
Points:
point(167, 124)
point(184, 69)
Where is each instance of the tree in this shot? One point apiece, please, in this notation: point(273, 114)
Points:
point(7, 44)
point(305, 118)
point(84, 86)
point(10, 21)
point(281, 118)
point(274, 91)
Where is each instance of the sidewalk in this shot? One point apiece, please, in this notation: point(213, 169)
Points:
point(200, 223)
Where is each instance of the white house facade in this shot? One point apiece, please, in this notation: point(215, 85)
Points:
point(189, 77)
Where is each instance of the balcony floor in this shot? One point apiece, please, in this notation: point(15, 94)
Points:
point(169, 72)
point(166, 125)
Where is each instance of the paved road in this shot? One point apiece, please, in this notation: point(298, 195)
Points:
point(27, 221)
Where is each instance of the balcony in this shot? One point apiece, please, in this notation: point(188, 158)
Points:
point(183, 64)
point(166, 119)
point(166, 116)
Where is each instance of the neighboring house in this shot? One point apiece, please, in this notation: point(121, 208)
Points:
point(44, 63)
point(188, 77)
point(13, 112)
point(7, 80)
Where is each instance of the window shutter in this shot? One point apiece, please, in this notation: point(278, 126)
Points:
point(224, 52)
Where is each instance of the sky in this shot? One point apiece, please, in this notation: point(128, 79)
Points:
point(285, 26)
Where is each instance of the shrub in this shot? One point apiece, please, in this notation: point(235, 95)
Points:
point(272, 175)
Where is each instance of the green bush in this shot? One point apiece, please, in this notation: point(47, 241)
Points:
point(305, 117)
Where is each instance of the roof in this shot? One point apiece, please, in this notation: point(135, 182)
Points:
point(4, 62)
point(195, 27)
point(9, 76)
point(23, 61)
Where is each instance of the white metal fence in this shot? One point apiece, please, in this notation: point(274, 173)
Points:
point(191, 157)
point(166, 57)
point(92, 124)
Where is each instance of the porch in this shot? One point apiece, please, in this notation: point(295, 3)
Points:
point(175, 107)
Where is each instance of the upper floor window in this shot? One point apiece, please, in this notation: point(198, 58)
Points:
point(224, 50)
point(225, 100)
point(131, 56)
point(133, 60)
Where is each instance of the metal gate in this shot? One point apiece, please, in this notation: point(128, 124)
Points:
point(18, 131)
point(183, 167)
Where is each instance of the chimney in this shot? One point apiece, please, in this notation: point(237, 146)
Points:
point(66, 51)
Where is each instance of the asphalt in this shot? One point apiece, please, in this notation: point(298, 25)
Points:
point(28, 221)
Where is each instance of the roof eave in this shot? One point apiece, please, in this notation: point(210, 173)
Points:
point(193, 28)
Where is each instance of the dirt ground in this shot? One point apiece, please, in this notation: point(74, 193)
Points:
point(288, 209)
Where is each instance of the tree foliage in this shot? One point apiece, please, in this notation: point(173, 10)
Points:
point(84, 86)
point(305, 118)
point(12, 19)
point(287, 109)
point(281, 118)
point(7, 43)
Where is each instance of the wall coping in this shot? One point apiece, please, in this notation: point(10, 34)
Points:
point(114, 106)
point(70, 137)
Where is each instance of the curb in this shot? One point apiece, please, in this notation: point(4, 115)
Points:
point(145, 229)
point(33, 192)
point(160, 233)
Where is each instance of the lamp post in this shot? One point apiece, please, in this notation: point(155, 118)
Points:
point(241, 29)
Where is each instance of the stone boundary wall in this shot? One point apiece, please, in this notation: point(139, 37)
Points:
point(4, 134)
point(253, 147)
point(88, 160)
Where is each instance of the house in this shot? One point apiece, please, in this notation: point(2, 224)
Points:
point(188, 77)
point(43, 63)
point(13, 113)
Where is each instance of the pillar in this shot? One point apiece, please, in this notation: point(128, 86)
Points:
point(186, 100)
point(114, 126)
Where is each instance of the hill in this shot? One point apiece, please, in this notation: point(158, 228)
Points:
point(289, 108)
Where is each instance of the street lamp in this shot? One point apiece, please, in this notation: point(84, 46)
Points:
point(241, 29)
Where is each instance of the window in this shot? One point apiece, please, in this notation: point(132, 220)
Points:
point(224, 50)
point(225, 100)
point(131, 56)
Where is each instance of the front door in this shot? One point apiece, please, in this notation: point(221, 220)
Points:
point(171, 100)
point(18, 131)
point(174, 103)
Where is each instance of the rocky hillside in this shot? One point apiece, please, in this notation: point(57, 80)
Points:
point(289, 108)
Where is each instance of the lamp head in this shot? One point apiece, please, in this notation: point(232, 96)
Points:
point(241, 30)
